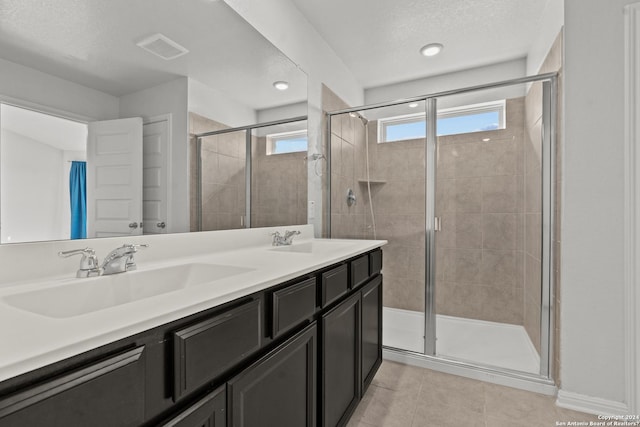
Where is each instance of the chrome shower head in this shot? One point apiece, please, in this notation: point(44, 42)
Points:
point(360, 116)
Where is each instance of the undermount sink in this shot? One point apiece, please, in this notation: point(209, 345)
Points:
point(81, 296)
point(315, 247)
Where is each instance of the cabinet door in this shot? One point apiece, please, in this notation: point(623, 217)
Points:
point(371, 330)
point(107, 393)
point(280, 389)
point(340, 362)
point(207, 412)
point(204, 351)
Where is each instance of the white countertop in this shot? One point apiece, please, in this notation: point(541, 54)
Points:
point(30, 341)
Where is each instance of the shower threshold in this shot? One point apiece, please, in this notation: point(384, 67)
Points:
point(480, 342)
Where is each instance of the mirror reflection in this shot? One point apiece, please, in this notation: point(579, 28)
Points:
point(84, 92)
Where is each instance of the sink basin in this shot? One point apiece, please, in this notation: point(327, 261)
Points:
point(81, 296)
point(315, 247)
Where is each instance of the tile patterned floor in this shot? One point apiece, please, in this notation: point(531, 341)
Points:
point(408, 396)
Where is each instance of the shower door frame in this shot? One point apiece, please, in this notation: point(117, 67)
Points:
point(549, 130)
point(248, 161)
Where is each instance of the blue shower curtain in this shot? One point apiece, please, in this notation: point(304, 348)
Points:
point(78, 196)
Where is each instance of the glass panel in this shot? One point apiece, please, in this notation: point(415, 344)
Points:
point(388, 182)
point(279, 175)
point(488, 252)
point(222, 182)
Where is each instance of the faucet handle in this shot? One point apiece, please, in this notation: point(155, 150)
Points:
point(135, 247)
point(88, 262)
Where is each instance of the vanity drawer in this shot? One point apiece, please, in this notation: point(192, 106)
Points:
point(335, 283)
point(208, 411)
point(292, 305)
point(203, 351)
point(359, 271)
point(106, 393)
point(375, 262)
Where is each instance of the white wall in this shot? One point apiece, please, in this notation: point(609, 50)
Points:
point(216, 105)
point(592, 328)
point(471, 77)
point(35, 88)
point(31, 190)
point(171, 97)
point(282, 112)
point(551, 24)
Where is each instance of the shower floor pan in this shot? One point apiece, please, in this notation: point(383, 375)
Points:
point(486, 343)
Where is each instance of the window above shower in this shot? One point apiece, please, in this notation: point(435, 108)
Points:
point(287, 142)
point(451, 121)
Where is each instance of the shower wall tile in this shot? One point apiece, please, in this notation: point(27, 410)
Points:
point(499, 231)
point(498, 269)
point(500, 194)
point(488, 303)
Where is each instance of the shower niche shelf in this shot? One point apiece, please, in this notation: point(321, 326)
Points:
point(372, 181)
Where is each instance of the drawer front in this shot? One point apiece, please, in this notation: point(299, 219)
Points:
point(106, 393)
point(292, 305)
point(359, 271)
point(210, 411)
point(375, 262)
point(207, 349)
point(335, 283)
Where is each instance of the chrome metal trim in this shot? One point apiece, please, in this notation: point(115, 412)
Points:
point(517, 379)
point(248, 164)
point(255, 126)
point(528, 79)
point(329, 172)
point(546, 302)
point(199, 181)
point(429, 232)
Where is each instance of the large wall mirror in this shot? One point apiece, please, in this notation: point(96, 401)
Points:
point(108, 114)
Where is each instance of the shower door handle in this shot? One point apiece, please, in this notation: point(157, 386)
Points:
point(437, 224)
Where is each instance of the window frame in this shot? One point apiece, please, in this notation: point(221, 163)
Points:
point(273, 138)
point(499, 106)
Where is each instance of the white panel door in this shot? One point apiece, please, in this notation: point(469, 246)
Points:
point(155, 182)
point(114, 178)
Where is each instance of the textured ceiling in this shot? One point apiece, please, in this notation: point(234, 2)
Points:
point(93, 43)
point(379, 40)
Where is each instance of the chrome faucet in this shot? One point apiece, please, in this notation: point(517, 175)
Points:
point(121, 259)
point(287, 239)
point(88, 262)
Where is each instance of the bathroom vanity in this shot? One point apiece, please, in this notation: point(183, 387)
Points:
point(294, 339)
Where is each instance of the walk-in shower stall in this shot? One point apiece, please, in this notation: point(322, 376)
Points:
point(250, 176)
point(461, 185)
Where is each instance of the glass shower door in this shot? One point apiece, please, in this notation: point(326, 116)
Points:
point(488, 209)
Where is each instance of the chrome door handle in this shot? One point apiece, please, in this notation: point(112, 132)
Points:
point(161, 225)
point(133, 225)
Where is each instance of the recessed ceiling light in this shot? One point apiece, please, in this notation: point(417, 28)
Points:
point(413, 105)
point(432, 49)
point(486, 139)
point(280, 85)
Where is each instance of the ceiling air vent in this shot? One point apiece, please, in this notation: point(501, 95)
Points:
point(162, 46)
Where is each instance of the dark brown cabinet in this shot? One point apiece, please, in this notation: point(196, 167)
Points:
point(210, 411)
point(371, 296)
point(340, 373)
point(280, 388)
point(207, 349)
point(293, 305)
point(108, 392)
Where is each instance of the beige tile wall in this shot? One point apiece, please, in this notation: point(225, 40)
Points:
point(279, 187)
point(223, 176)
point(479, 198)
point(347, 169)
